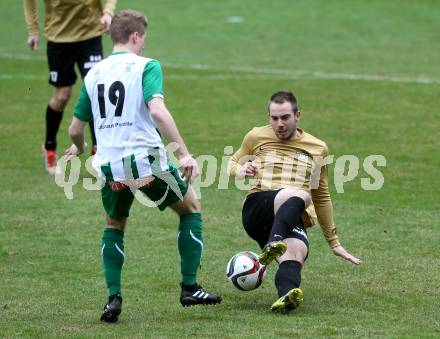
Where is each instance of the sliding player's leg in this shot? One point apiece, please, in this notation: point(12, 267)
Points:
point(288, 206)
point(288, 276)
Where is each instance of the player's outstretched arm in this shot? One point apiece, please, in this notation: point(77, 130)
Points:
point(167, 127)
point(341, 252)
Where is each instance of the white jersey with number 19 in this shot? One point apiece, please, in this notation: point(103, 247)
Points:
point(123, 124)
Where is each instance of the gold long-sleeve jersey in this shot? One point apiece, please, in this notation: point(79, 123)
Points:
point(68, 20)
point(297, 163)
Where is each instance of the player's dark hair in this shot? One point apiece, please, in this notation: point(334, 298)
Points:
point(281, 97)
point(126, 22)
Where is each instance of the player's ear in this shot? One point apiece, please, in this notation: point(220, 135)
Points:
point(297, 115)
point(134, 37)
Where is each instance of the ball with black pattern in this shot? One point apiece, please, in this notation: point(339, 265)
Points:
point(245, 272)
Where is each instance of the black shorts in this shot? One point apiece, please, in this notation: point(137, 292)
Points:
point(62, 56)
point(258, 216)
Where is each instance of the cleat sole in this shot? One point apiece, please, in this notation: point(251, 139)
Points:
point(195, 303)
point(272, 251)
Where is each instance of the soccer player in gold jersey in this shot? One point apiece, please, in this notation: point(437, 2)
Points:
point(73, 31)
point(289, 192)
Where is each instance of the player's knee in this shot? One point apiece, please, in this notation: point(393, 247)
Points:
point(304, 195)
point(297, 249)
point(118, 224)
point(191, 203)
point(186, 206)
point(60, 99)
point(192, 206)
point(288, 193)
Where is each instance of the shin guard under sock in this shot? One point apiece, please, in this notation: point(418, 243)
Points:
point(53, 121)
point(112, 249)
point(190, 243)
point(288, 276)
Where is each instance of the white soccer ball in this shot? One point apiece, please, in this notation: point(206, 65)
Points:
point(245, 272)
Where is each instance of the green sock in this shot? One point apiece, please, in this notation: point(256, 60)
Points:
point(112, 250)
point(190, 243)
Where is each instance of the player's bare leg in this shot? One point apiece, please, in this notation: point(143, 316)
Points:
point(296, 250)
point(286, 193)
point(189, 204)
point(60, 98)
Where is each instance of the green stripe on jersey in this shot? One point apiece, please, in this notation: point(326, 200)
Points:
point(83, 108)
point(152, 83)
point(155, 158)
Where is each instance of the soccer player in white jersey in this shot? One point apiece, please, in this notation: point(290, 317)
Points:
point(123, 97)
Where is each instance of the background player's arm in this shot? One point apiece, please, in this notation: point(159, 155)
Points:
point(107, 15)
point(239, 164)
point(324, 211)
point(109, 7)
point(31, 16)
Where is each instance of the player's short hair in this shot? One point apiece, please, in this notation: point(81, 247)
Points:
point(281, 97)
point(126, 22)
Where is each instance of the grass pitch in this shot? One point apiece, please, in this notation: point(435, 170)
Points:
point(367, 77)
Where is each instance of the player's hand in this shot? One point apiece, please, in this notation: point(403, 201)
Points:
point(249, 169)
point(106, 20)
point(341, 252)
point(73, 151)
point(189, 168)
point(33, 41)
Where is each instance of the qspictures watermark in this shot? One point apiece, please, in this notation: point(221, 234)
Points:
point(215, 171)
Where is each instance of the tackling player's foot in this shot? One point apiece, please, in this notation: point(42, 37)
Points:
point(289, 301)
point(50, 160)
point(271, 251)
point(112, 309)
point(196, 295)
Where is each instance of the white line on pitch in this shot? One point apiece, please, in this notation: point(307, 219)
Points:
point(269, 72)
point(303, 74)
point(22, 56)
point(21, 77)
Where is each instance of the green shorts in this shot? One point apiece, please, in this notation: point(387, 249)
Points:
point(167, 188)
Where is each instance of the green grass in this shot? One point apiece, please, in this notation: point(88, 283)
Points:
point(51, 280)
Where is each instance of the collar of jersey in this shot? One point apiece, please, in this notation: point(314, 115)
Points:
point(122, 52)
